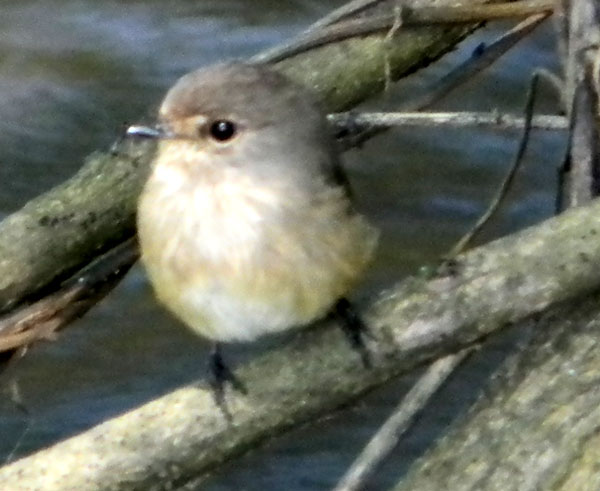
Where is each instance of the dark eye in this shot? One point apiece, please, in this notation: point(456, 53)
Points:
point(222, 130)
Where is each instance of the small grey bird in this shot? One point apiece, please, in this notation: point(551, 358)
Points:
point(245, 225)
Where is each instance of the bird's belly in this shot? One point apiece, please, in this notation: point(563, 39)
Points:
point(230, 314)
point(249, 269)
point(227, 304)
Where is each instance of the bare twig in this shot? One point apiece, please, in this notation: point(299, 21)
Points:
point(576, 183)
point(15, 397)
point(402, 417)
point(42, 319)
point(17, 445)
point(557, 84)
point(182, 435)
point(389, 38)
point(475, 13)
point(349, 124)
point(580, 176)
point(481, 58)
point(508, 179)
point(349, 9)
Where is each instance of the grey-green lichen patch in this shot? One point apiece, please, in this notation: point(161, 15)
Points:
point(66, 227)
point(348, 72)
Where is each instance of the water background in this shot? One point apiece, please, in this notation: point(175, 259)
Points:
point(73, 71)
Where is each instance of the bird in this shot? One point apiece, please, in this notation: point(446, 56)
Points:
point(245, 223)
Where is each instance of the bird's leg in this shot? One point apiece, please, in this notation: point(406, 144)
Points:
point(218, 375)
point(354, 328)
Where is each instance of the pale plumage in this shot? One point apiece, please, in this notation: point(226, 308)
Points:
point(248, 236)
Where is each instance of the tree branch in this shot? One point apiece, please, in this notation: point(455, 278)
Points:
point(387, 436)
point(181, 434)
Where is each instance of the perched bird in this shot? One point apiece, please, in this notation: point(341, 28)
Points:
point(245, 225)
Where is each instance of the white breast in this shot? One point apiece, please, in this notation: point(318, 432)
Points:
point(235, 258)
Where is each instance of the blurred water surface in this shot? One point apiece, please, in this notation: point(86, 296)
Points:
point(73, 71)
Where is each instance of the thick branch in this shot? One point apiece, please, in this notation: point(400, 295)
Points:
point(182, 434)
point(60, 231)
point(537, 428)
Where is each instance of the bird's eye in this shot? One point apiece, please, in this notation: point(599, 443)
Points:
point(222, 130)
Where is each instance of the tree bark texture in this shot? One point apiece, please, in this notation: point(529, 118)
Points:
point(537, 426)
point(182, 434)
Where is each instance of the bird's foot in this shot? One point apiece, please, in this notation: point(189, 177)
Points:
point(219, 375)
point(354, 328)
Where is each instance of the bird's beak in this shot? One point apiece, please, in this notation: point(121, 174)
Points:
point(156, 132)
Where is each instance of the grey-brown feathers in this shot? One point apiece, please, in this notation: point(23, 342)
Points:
point(246, 235)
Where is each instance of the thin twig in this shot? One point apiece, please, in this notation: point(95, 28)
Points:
point(386, 438)
point(347, 10)
point(17, 445)
point(350, 123)
point(351, 9)
point(557, 84)
point(388, 40)
point(42, 319)
point(508, 179)
point(482, 57)
point(362, 26)
point(15, 397)
point(564, 187)
point(581, 159)
point(582, 46)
